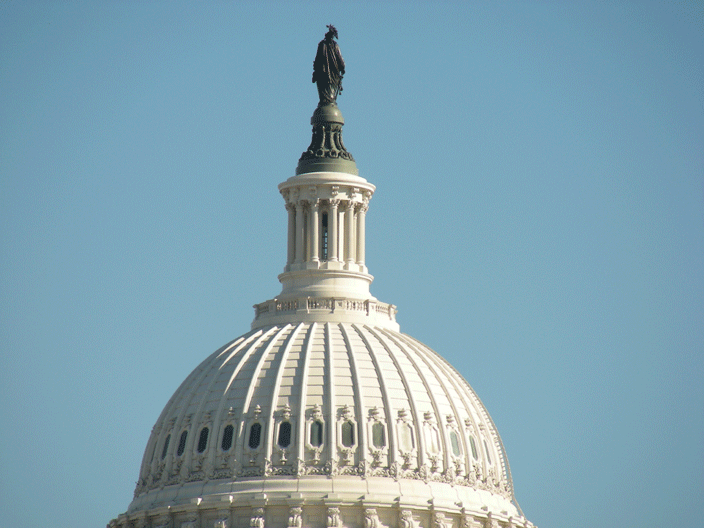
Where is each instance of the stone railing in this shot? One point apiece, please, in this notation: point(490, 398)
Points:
point(325, 308)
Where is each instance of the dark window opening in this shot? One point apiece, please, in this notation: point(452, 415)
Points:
point(255, 435)
point(203, 439)
point(475, 455)
point(316, 433)
point(348, 434)
point(284, 434)
point(324, 238)
point(182, 443)
point(227, 438)
point(378, 435)
point(166, 447)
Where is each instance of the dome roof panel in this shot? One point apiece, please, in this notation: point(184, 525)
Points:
point(331, 401)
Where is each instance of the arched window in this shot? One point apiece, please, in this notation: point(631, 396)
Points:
point(182, 443)
point(455, 442)
point(227, 438)
point(284, 434)
point(347, 434)
point(255, 435)
point(378, 435)
point(166, 447)
point(316, 433)
point(203, 439)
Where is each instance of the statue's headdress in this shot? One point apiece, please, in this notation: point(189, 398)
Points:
point(332, 30)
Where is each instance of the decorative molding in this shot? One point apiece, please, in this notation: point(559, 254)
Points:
point(326, 143)
point(406, 520)
point(295, 517)
point(441, 521)
point(334, 517)
point(257, 519)
point(371, 518)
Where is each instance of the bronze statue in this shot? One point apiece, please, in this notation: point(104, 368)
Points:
point(328, 68)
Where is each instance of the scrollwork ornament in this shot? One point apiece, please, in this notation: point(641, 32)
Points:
point(371, 518)
point(334, 518)
point(295, 517)
point(257, 519)
point(425, 473)
point(395, 470)
point(406, 519)
point(440, 521)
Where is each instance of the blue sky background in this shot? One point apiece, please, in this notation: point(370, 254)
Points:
point(538, 220)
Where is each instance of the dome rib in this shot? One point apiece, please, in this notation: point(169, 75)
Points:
point(409, 395)
point(255, 385)
point(330, 396)
point(456, 377)
point(250, 347)
point(432, 367)
point(449, 376)
point(306, 353)
point(424, 450)
point(256, 352)
point(358, 397)
point(274, 402)
point(391, 431)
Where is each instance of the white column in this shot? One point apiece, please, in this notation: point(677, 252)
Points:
point(333, 216)
point(349, 232)
point(361, 214)
point(299, 233)
point(314, 230)
point(291, 254)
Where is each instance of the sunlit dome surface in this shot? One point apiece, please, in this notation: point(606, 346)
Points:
point(349, 410)
point(324, 414)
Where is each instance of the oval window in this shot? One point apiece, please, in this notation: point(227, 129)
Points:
point(486, 448)
point(182, 443)
point(284, 434)
point(255, 435)
point(347, 434)
point(166, 447)
point(316, 433)
point(455, 444)
point(473, 445)
point(405, 437)
point(227, 438)
point(432, 440)
point(203, 439)
point(378, 435)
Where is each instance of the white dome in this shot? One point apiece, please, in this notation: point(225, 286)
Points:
point(326, 412)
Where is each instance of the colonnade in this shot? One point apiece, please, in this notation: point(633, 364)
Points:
point(326, 231)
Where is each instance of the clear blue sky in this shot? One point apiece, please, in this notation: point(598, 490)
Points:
point(538, 220)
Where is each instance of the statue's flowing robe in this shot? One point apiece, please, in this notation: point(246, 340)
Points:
point(328, 69)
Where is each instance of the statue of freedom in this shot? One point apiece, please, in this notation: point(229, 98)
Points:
point(328, 68)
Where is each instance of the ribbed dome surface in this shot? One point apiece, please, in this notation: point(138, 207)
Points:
point(347, 410)
point(324, 415)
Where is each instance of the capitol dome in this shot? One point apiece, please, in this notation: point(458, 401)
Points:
point(324, 414)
